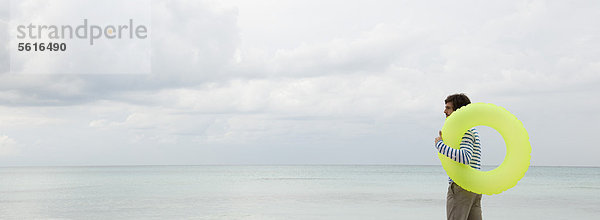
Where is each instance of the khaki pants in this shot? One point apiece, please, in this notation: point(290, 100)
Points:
point(462, 204)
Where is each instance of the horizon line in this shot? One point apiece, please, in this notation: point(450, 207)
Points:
point(274, 164)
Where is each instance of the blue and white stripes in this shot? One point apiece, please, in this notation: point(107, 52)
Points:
point(469, 152)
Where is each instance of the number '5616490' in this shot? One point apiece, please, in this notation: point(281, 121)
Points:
point(42, 46)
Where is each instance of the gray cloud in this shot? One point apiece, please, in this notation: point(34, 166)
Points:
point(249, 85)
point(193, 43)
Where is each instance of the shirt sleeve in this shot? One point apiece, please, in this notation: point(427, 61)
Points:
point(462, 155)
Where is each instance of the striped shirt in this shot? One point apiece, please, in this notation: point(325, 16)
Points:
point(469, 152)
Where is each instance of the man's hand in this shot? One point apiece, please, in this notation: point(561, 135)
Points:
point(437, 139)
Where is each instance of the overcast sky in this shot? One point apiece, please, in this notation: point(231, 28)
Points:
point(316, 82)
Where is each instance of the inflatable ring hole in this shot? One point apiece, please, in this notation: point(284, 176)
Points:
point(493, 148)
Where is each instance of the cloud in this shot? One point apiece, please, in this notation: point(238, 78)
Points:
point(538, 47)
point(193, 42)
point(373, 52)
point(229, 79)
point(8, 146)
point(12, 118)
point(4, 37)
point(266, 110)
point(491, 53)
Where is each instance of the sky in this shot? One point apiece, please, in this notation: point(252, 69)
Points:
point(313, 82)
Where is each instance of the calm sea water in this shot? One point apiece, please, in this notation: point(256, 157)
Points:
point(281, 192)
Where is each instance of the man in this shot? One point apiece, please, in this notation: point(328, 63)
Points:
point(460, 203)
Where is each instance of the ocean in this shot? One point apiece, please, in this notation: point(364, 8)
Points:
point(281, 192)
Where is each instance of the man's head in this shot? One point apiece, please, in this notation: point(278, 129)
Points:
point(454, 102)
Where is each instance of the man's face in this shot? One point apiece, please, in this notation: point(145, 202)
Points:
point(448, 109)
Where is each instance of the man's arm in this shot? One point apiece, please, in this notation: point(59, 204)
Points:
point(462, 155)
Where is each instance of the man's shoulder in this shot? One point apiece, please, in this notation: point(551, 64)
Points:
point(473, 131)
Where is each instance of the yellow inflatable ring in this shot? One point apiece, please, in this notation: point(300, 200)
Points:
point(518, 148)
